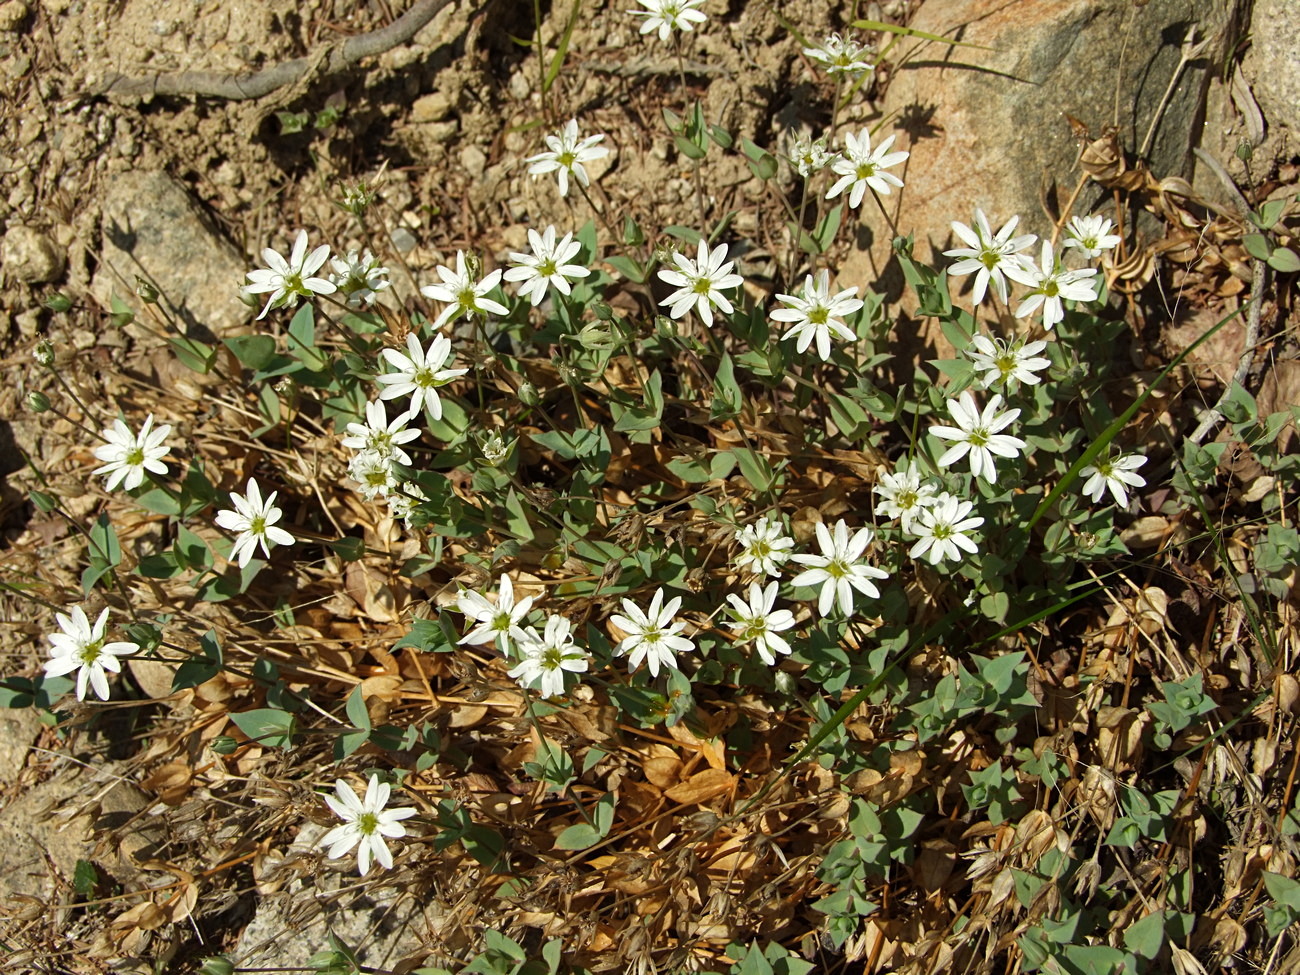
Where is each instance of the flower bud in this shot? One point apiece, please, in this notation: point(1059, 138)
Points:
point(57, 301)
point(145, 291)
point(44, 354)
point(38, 402)
point(223, 745)
point(528, 394)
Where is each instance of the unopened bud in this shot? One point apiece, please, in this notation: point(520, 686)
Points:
point(145, 291)
point(1245, 150)
point(223, 745)
point(38, 402)
point(57, 301)
point(528, 394)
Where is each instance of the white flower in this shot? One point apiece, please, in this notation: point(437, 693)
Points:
point(992, 256)
point(1048, 284)
point(255, 520)
point(1116, 473)
point(380, 436)
point(81, 645)
point(700, 283)
point(419, 373)
point(366, 822)
point(566, 155)
point(359, 278)
point(374, 474)
point(1002, 362)
point(402, 503)
point(652, 635)
point(546, 265)
point(666, 16)
point(129, 456)
point(462, 294)
point(903, 496)
point(941, 530)
point(285, 279)
point(817, 315)
point(764, 546)
point(861, 167)
point(758, 622)
point(498, 622)
point(1091, 235)
point(496, 449)
point(842, 55)
point(810, 156)
point(838, 569)
point(548, 657)
point(977, 433)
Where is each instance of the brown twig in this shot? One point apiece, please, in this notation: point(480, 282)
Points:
point(258, 84)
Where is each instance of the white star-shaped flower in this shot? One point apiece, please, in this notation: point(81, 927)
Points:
point(566, 156)
point(547, 266)
point(764, 546)
point(128, 456)
point(652, 635)
point(666, 16)
point(758, 622)
point(941, 530)
point(839, 569)
point(380, 436)
point(903, 495)
point(419, 373)
point(255, 520)
point(991, 257)
point(286, 279)
point(498, 622)
point(1090, 236)
point(842, 55)
point(1049, 284)
point(548, 656)
point(818, 315)
point(462, 294)
point(809, 156)
point(365, 822)
point(861, 167)
point(81, 647)
point(977, 433)
point(700, 283)
point(374, 474)
point(1113, 472)
point(359, 278)
point(1001, 361)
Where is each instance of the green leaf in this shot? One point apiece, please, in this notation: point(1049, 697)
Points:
point(271, 727)
point(755, 469)
point(253, 351)
point(688, 148)
point(627, 267)
point(85, 878)
point(580, 836)
point(1147, 936)
point(1284, 260)
point(562, 47)
point(1257, 246)
point(302, 339)
point(194, 355)
point(913, 32)
point(202, 667)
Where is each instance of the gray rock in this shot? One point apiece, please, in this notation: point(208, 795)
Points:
point(30, 256)
point(153, 227)
point(988, 127)
point(1273, 64)
point(292, 924)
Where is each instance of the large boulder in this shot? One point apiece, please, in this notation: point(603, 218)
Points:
point(154, 228)
point(987, 126)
